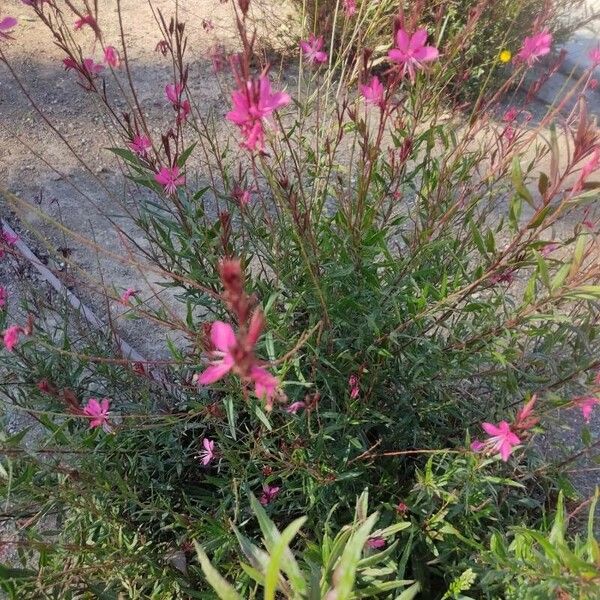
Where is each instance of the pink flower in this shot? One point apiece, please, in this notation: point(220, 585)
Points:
point(92, 67)
point(3, 296)
point(224, 360)
point(294, 407)
point(265, 385)
point(223, 338)
point(173, 93)
point(111, 57)
point(353, 383)
point(126, 295)
point(373, 93)
point(375, 542)
point(312, 49)
point(350, 8)
point(6, 26)
point(510, 115)
point(252, 103)
point(140, 145)
point(69, 63)
point(586, 404)
point(411, 52)
point(169, 178)
point(241, 196)
point(509, 133)
point(525, 419)
point(98, 413)
point(402, 508)
point(208, 454)
point(87, 20)
point(11, 337)
point(269, 494)
point(44, 386)
point(184, 111)
point(593, 84)
point(501, 439)
point(594, 55)
point(588, 168)
point(535, 46)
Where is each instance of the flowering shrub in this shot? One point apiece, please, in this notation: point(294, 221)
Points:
point(484, 30)
point(366, 281)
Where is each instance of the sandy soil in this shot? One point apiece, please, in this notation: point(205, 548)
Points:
point(57, 184)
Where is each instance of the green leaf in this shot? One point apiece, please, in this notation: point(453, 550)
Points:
point(185, 155)
point(280, 547)
point(345, 572)
point(543, 183)
point(514, 211)
point(593, 551)
point(393, 529)
point(559, 526)
point(222, 587)
point(543, 270)
point(410, 593)
point(578, 254)
point(538, 219)
point(229, 409)
point(272, 537)
point(263, 418)
point(477, 237)
point(586, 436)
point(7, 573)
point(517, 179)
point(253, 573)
point(126, 155)
point(560, 277)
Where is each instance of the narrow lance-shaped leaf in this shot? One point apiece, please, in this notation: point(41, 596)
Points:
point(222, 587)
point(280, 548)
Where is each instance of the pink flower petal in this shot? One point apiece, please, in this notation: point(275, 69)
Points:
point(215, 372)
point(426, 53)
point(477, 446)
point(403, 41)
point(418, 39)
point(8, 23)
point(491, 429)
point(222, 336)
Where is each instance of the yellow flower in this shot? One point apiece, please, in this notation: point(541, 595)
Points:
point(505, 56)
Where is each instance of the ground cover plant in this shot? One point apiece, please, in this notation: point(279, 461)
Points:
point(378, 301)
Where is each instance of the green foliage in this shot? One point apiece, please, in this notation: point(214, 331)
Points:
point(340, 567)
point(540, 564)
point(472, 33)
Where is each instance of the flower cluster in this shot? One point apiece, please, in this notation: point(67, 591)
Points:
point(534, 47)
point(411, 52)
point(235, 353)
point(503, 436)
point(253, 102)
